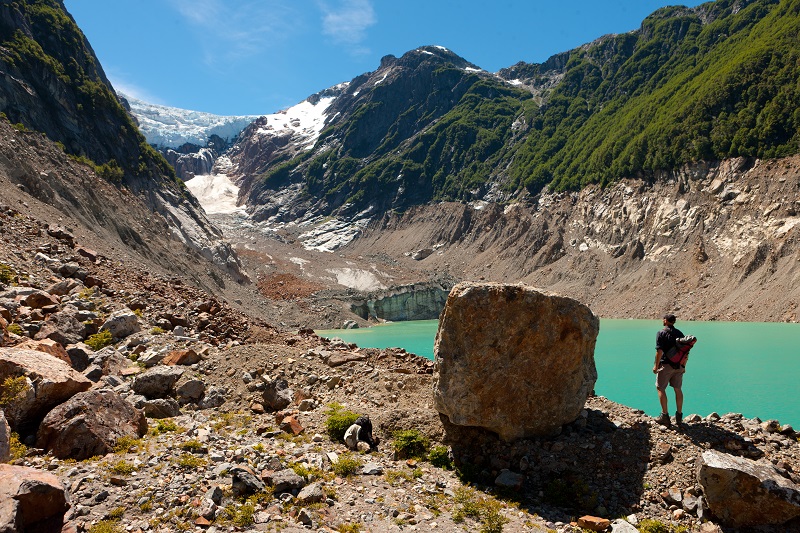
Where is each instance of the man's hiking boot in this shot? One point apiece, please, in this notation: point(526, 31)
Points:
point(678, 418)
point(663, 420)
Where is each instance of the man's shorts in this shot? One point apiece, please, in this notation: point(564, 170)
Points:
point(669, 376)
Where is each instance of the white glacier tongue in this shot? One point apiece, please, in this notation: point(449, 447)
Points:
point(170, 127)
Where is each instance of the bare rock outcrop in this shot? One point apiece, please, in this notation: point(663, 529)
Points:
point(31, 500)
point(49, 382)
point(513, 359)
point(89, 424)
point(743, 493)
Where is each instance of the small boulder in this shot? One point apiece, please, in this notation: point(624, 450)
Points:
point(31, 500)
point(63, 327)
point(38, 299)
point(509, 480)
point(49, 382)
point(121, 324)
point(277, 394)
point(157, 382)
point(513, 359)
point(285, 480)
point(162, 408)
point(181, 357)
point(191, 391)
point(89, 424)
point(79, 355)
point(743, 493)
point(245, 481)
point(312, 493)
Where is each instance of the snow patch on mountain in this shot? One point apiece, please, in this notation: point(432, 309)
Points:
point(305, 119)
point(170, 127)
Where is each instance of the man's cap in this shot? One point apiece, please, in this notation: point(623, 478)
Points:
point(670, 318)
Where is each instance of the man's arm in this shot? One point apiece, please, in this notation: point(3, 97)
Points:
point(658, 360)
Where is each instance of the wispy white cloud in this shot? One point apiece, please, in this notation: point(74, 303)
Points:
point(121, 85)
point(347, 21)
point(237, 29)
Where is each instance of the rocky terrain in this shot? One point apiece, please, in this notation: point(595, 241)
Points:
point(237, 436)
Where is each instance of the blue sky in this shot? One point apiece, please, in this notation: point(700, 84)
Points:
point(259, 56)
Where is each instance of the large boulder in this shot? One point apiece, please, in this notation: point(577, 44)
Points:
point(743, 493)
point(158, 382)
point(48, 382)
point(89, 424)
point(122, 324)
point(5, 439)
point(31, 500)
point(49, 346)
point(63, 327)
point(513, 359)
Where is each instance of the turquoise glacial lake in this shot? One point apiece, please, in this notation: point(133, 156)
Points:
point(751, 368)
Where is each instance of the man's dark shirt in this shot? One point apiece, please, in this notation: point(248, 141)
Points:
point(665, 340)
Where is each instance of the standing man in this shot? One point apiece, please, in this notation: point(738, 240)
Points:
point(668, 373)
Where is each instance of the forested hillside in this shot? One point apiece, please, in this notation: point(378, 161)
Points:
point(691, 84)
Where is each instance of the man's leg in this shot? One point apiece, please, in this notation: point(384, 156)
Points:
point(678, 399)
point(662, 398)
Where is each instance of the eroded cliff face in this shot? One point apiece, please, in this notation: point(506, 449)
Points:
point(422, 301)
point(711, 241)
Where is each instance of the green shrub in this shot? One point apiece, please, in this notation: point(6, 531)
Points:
point(11, 389)
point(122, 468)
point(410, 443)
point(164, 425)
point(649, 525)
point(100, 340)
point(125, 443)
point(339, 419)
point(16, 329)
point(347, 465)
point(7, 274)
point(440, 457)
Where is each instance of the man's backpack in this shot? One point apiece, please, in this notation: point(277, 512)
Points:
point(678, 354)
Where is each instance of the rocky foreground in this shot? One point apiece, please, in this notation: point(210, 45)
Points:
point(239, 421)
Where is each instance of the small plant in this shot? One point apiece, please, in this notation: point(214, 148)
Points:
point(16, 329)
point(146, 506)
point(193, 446)
point(100, 340)
point(157, 331)
point(485, 510)
point(240, 515)
point(649, 525)
point(127, 443)
point(16, 448)
point(353, 527)
point(339, 419)
point(188, 461)
point(347, 465)
point(106, 526)
point(307, 472)
point(394, 477)
point(164, 425)
point(117, 513)
point(410, 443)
point(7, 274)
point(122, 468)
point(12, 389)
point(439, 457)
